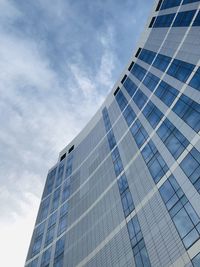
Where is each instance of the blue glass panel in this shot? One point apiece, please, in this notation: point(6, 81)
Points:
point(164, 20)
point(174, 140)
point(152, 114)
point(46, 258)
point(197, 20)
point(189, 1)
point(180, 70)
point(151, 81)
point(183, 19)
point(122, 184)
point(138, 71)
point(147, 56)
point(195, 82)
point(130, 86)
point(196, 260)
point(139, 133)
point(60, 244)
point(140, 99)
point(129, 115)
point(161, 62)
point(170, 3)
point(191, 166)
point(122, 101)
point(189, 111)
point(166, 93)
point(127, 202)
point(183, 215)
point(33, 263)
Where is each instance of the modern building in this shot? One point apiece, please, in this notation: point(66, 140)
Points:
point(126, 190)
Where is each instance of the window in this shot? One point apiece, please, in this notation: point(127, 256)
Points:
point(59, 252)
point(36, 245)
point(122, 101)
point(130, 86)
point(155, 163)
point(68, 171)
point(64, 209)
point(183, 19)
point(138, 71)
point(147, 56)
point(196, 260)
point(118, 167)
point(174, 140)
point(66, 191)
point(117, 162)
point(182, 213)
point(191, 167)
point(122, 184)
point(33, 263)
point(152, 114)
point(59, 175)
point(52, 219)
point(129, 115)
point(49, 235)
point(137, 242)
point(195, 82)
point(45, 261)
point(166, 93)
point(62, 226)
point(111, 139)
point(161, 62)
point(49, 183)
point(180, 70)
point(60, 244)
point(197, 20)
point(170, 3)
point(140, 99)
point(55, 200)
point(58, 261)
point(44, 209)
point(189, 111)
point(139, 133)
point(189, 1)
point(164, 21)
point(151, 81)
point(106, 119)
point(127, 202)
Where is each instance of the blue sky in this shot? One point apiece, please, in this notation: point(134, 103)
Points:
point(58, 61)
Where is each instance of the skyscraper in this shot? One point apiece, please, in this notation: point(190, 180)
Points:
point(126, 190)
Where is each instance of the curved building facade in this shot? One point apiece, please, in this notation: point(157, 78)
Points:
point(126, 190)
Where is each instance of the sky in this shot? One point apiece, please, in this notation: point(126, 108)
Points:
point(58, 61)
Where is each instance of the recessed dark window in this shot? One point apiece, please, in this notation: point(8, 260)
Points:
point(159, 4)
point(62, 157)
point(131, 65)
point(136, 55)
point(116, 91)
point(122, 81)
point(152, 22)
point(71, 148)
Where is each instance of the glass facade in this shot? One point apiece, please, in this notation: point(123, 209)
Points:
point(126, 190)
